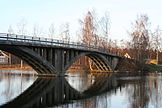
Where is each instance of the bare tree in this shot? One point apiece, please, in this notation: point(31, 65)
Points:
point(140, 38)
point(21, 26)
point(88, 28)
point(37, 30)
point(157, 42)
point(64, 32)
point(10, 30)
point(51, 31)
point(22, 31)
point(105, 25)
point(123, 44)
point(102, 42)
point(89, 34)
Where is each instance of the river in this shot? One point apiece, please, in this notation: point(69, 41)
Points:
point(81, 90)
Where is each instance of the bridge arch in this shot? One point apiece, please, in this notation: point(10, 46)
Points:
point(100, 61)
point(40, 65)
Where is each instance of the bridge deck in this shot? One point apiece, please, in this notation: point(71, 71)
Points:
point(40, 41)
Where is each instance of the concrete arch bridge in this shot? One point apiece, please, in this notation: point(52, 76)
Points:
point(49, 56)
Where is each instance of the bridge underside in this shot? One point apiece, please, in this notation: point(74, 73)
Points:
point(56, 60)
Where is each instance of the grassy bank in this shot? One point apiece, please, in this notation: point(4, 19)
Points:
point(152, 67)
point(133, 66)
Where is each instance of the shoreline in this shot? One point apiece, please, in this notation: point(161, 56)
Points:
point(15, 67)
point(28, 71)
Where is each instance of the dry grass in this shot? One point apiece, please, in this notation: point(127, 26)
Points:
point(15, 67)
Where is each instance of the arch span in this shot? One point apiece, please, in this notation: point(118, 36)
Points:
point(39, 64)
point(100, 61)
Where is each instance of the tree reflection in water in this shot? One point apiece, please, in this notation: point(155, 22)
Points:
point(13, 85)
point(145, 92)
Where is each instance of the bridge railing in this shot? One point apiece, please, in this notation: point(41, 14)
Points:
point(48, 41)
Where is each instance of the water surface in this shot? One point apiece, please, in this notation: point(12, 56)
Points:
point(13, 85)
point(82, 91)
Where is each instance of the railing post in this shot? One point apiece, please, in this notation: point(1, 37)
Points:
point(51, 41)
point(46, 40)
point(7, 36)
point(16, 37)
point(24, 38)
point(58, 42)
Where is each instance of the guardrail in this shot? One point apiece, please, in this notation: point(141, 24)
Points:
point(54, 42)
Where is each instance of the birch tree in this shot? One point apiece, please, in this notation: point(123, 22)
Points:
point(88, 29)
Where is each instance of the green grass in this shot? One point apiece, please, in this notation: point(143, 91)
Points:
point(153, 67)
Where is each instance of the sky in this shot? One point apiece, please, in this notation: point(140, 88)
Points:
point(43, 13)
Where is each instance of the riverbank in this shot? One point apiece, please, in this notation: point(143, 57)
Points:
point(125, 70)
point(15, 67)
point(154, 68)
point(17, 70)
point(130, 65)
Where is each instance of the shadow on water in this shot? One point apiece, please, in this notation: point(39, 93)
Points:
point(91, 91)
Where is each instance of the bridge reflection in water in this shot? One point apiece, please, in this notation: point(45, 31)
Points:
point(98, 91)
point(46, 92)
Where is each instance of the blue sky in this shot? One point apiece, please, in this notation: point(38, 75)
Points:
point(45, 12)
